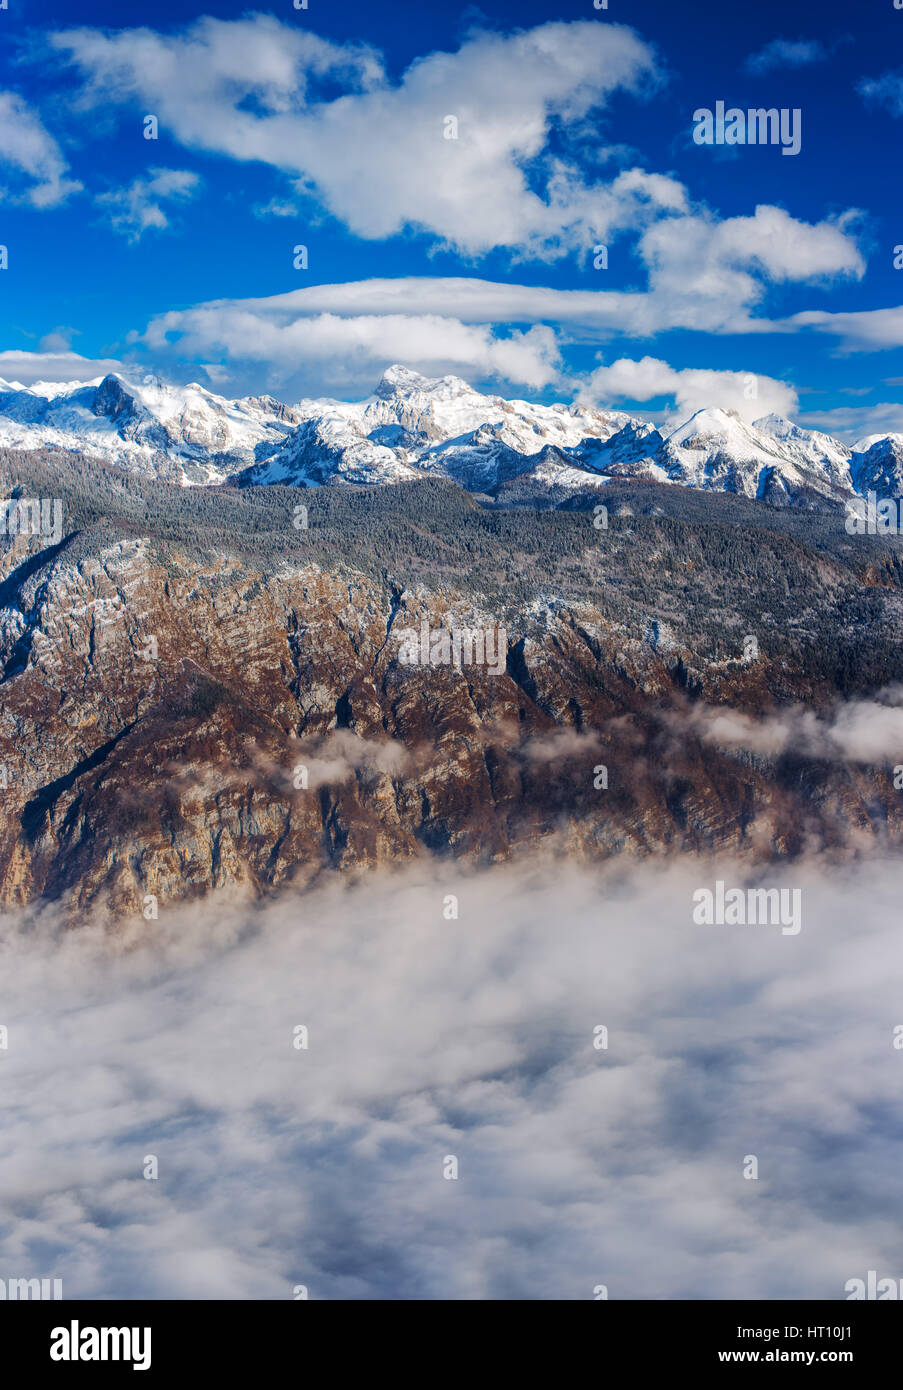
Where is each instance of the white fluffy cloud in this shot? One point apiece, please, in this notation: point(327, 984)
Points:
point(471, 1037)
point(334, 353)
point(377, 156)
point(30, 152)
point(690, 388)
point(137, 208)
point(708, 274)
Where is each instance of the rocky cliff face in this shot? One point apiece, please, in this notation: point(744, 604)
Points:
point(181, 714)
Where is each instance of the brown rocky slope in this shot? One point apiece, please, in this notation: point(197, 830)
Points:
point(197, 693)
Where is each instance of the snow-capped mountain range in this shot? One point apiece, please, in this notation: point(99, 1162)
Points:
point(415, 426)
point(181, 433)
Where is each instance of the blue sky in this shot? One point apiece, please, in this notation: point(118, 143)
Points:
point(326, 128)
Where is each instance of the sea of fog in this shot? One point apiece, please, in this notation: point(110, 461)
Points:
point(305, 1079)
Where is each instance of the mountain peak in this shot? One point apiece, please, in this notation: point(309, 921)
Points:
point(868, 441)
point(774, 424)
point(399, 380)
point(707, 422)
point(113, 398)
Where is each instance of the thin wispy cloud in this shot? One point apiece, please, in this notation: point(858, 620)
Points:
point(786, 53)
point(853, 422)
point(31, 155)
point(139, 208)
point(859, 330)
point(885, 91)
point(276, 207)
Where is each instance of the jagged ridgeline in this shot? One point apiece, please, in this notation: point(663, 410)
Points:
point(414, 427)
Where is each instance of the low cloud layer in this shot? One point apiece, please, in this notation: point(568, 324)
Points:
point(854, 731)
point(432, 1036)
point(335, 354)
point(26, 368)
